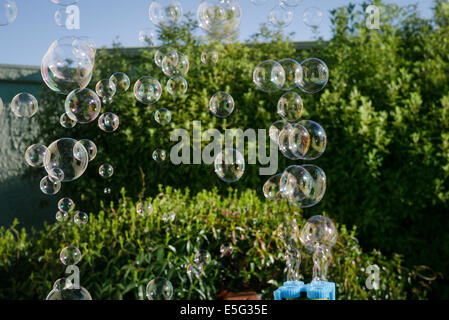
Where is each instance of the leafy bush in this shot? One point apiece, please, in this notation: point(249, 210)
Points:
point(122, 251)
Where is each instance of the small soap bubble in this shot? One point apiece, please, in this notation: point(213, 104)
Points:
point(105, 88)
point(160, 54)
point(107, 190)
point(298, 140)
point(66, 122)
point(175, 63)
point(90, 147)
point(285, 142)
point(82, 105)
point(281, 17)
point(290, 106)
point(312, 17)
point(56, 174)
point(49, 186)
point(35, 155)
point(165, 14)
point(272, 189)
point(318, 140)
point(81, 218)
point(159, 289)
point(24, 105)
point(293, 73)
point(318, 231)
point(177, 86)
point(269, 76)
point(147, 90)
point(296, 183)
point(315, 75)
point(169, 217)
point(144, 208)
point(121, 81)
point(229, 165)
point(106, 170)
point(62, 216)
point(318, 187)
point(209, 57)
point(148, 36)
point(162, 116)
point(70, 256)
point(275, 129)
point(221, 104)
point(220, 18)
point(226, 250)
point(202, 257)
point(195, 270)
point(159, 155)
point(66, 205)
point(108, 122)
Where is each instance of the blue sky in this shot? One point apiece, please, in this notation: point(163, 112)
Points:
point(26, 40)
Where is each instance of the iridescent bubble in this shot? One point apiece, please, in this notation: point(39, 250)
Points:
point(209, 57)
point(318, 140)
point(298, 140)
point(290, 106)
point(315, 75)
point(220, 18)
point(202, 257)
point(162, 116)
point(229, 165)
point(159, 155)
point(24, 105)
point(69, 294)
point(49, 186)
point(90, 147)
point(221, 104)
point(70, 256)
point(169, 217)
point(81, 218)
point(269, 76)
point(226, 250)
point(318, 187)
point(35, 155)
point(195, 270)
point(107, 190)
point(61, 154)
point(82, 105)
point(106, 170)
point(121, 81)
point(285, 144)
point(312, 17)
point(165, 14)
point(177, 86)
point(293, 73)
point(160, 54)
point(66, 122)
point(296, 183)
point(149, 36)
point(66, 205)
point(159, 289)
point(175, 63)
point(281, 17)
point(105, 88)
point(147, 90)
point(56, 175)
point(271, 188)
point(317, 231)
point(8, 12)
point(108, 122)
point(144, 208)
point(275, 129)
point(65, 2)
point(62, 216)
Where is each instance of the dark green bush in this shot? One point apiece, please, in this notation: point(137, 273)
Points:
point(122, 251)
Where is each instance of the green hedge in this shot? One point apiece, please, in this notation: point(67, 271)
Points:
point(122, 251)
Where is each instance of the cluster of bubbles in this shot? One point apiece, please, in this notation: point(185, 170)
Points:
point(201, 259)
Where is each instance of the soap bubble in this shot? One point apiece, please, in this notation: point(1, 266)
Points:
point(24, 105)
point(312, 17)
point(169, 217)
point(144, 208)
point(275, 129)
point(66, 205)
point(175, 63)
point(221, 104)
point(219, 18)
point(121, 81)
point(290, 106)
point(149, 36)
point(81, 218)
point(315, 75)
point(159, 289)
point(106, 170)
point(35, 155)
point(108, 122)
point(160, 54)
point(318, 187)
point(202, 257)
point(195, 270)
point(226, 250)
point(284, 143)
point(167, 14)
point(296, 183)
point(271, 188)
point(66, 122)
point(159, 155)
point(61, 155)
point(177, 86)
point(293, 73)
point(229, 165)
point(269, 76)
point(147, 90)
point(65, 2)
point(82, 105)
point(70, 256)
point(289, 3)
point(209, 57)
point(105, 88)
point(69, 294)
point(62, 216)
point(298, 140)
point(318, 140)
point(90, 147)
point(259, 2)
point(8, 12)
point(318, 231)
point(162, 116)
point(68, 64)
point(56, 175)
point(280, 17)
point(107, 190)
point(49, 186)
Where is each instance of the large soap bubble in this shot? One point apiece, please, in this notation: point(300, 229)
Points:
point(165, 14)
point(24, 105)
point(281, 17)
point(296, 183)
point(82, 105)
point(318, 231)
point(8, 12)
point(229, 165)
point(318, 140)
point(315, 75)
point(68, 64)
point(159, 289)
point(318, 187)
point(220, 18)
point(221, 104)
point(175, 63)
point(290, 106)
point(293, 73)
point(269, 76)
point(67, 155)
point(147, 90)
point(35, 155)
